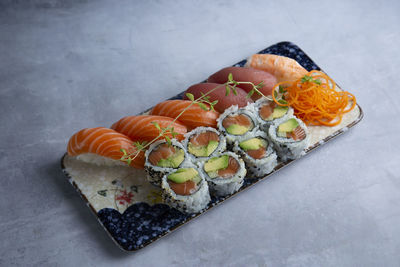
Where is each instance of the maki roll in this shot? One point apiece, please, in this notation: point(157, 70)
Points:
point(224, 173)
point(290, 138)
point(258, 154)
point(268, 112)
point(162, 158)
point(185, 189)
point(204, 142)
point(235, 122)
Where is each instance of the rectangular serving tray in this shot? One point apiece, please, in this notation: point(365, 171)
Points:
point(130, 209)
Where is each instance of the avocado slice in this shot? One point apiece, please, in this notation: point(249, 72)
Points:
point(252, 144)
point(288, 126)
point(279, 111)
point(174, 161)
point(236, 129)
point(183, 175)
point(217, 163)
point(203, 151)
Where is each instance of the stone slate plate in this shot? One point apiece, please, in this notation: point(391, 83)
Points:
point(143, 222)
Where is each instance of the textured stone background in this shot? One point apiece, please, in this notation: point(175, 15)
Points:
point(66, 65)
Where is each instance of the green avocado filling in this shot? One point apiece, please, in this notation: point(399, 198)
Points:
point(174, 160)
point(287, 127)
point(252, 144)
point(213, 165)
point(236, 129)
point(203, 151)
point(183, 175)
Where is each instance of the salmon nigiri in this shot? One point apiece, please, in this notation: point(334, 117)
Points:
point(193, 117)
point(142, 127)
point(102, 146)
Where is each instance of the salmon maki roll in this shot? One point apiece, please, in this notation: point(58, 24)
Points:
point(258, 153)
point(224, 173)
point(193, 117)
point(224, 101)
point(162, 158)
point(142, 127)
point(246, 75)
point(186, 190)
point(102, 146)
point(268, 112)
point(290, 138)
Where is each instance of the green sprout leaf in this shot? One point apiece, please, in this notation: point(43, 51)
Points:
point(250, 93)
point(260, 85)
point(123, 151)
point(168, 140)
point(190, 96)
point(318, 81)
point(281, 89)
point(227, 90)
point(282, 101)
point(306, 78)
point(275, 94)
point(234, 90)
point(203, 106)
point(156, 125)
point(230, 77)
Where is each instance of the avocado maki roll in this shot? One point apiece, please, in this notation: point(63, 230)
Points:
point(268, 112)
point(162, 158)
point(224, 173)
point(258, 153)
point(290, 138)
point(185, 189)
point(235, 122)
point(204, 142)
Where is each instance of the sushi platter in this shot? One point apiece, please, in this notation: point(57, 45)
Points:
point(151, 173)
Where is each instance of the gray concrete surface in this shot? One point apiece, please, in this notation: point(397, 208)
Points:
point(66, 65)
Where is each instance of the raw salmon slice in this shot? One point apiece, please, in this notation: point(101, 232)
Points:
point(240, 119)
point(297, 134)
point(141, 127)
point(233, 167)
point(184, 189)
point(203, 139)
point(192, 117)
point(103, 142)
point(163, 151)
point(257, 153)
point(266, 110)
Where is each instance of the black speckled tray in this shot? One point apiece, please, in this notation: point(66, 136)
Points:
point(141, 224)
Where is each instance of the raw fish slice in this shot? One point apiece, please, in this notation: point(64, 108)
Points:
point(203, 139)
point(163, 151)
point(283, 68)
point(193, 117)
point(224, 101)
point(141, 127)
point(103, 142)
point(233, 167)
point(246, 75)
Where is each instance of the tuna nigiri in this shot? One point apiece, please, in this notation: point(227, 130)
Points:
point(193, 117)
point(142, 127)
point(246, 75)
point(224, 101)
point(102, 146)
point(283, 68)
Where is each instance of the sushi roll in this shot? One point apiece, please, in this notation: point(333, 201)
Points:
point(204, 142)
point(162, 158)
point(268, 112)
point(258, 154)
point(185, 189)
point(235, 123)
point(224, 173)
point(290, 138)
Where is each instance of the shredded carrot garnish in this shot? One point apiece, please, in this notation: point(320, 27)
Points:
point(315, 99)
